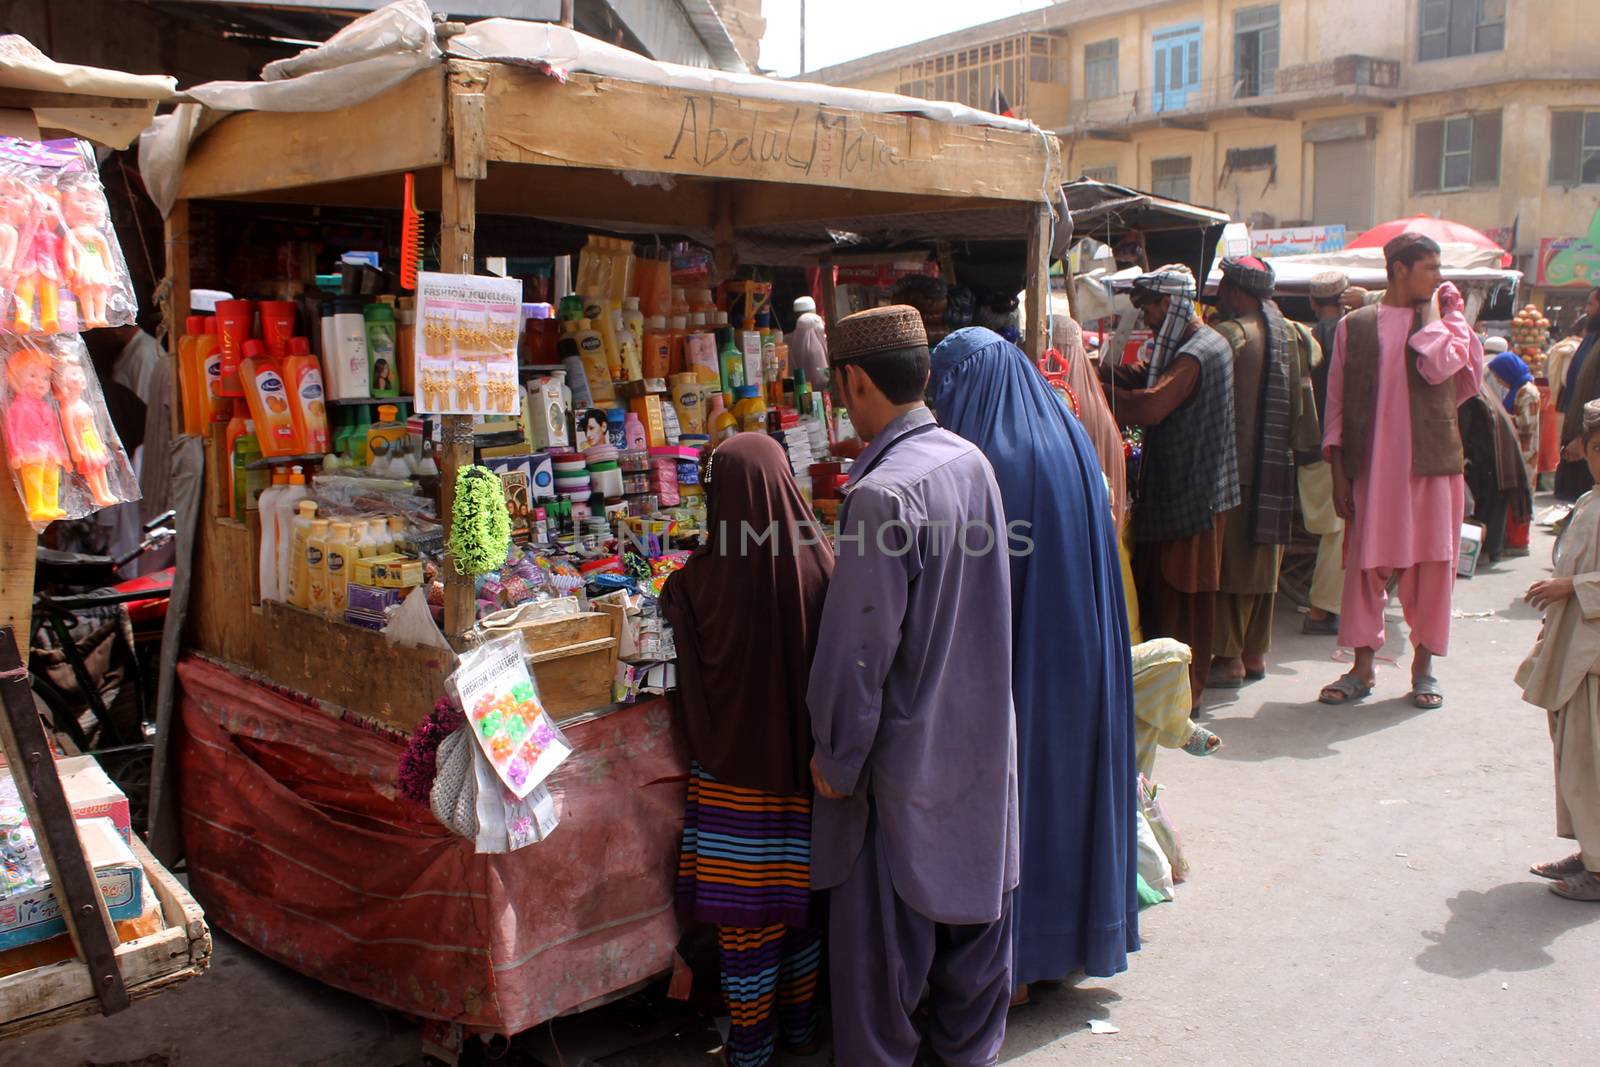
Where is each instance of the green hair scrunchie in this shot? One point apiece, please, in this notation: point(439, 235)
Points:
point(480, 525)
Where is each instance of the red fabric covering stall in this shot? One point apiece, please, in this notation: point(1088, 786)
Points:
point(299, 847)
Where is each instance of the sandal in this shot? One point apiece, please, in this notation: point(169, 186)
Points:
point(1255, 676)
point(1424, 687)
point(1202, 742)
point(1221, 680)
point(1347, 690)
point(1556, 870)
point(1584, 887)
point(1328, 627)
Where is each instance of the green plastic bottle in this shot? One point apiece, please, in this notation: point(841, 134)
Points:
point(731, 360)
point(248, 484)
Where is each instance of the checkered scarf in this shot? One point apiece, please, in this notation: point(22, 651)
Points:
point(1176, 281)
point(1272, 510)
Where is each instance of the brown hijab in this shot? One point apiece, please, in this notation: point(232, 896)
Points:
point(745, 615)
point(1094, 412)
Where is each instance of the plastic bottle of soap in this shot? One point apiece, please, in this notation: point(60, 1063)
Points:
point(340, 558)
point(596, 368)
point(297, 578)
point(633, 320)
point(732, 360)
point(383, 368)
point(267, 557)
point(628, 346)
point(657, 348)
point(317, 567)
point(268, 400)
point(279, 520)
point(303, 376)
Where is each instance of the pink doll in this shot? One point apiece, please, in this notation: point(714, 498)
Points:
point(37, 263)
point(33, 434)
point(89, 452)
point(89, 262)
point(13, 220)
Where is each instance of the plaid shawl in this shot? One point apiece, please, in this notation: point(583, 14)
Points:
point(1272, 510)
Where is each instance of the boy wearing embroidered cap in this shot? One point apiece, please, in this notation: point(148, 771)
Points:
point(915, 768)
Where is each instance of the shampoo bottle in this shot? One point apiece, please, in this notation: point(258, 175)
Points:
point(297, 579)
point(317, 567)
point(268, 401)
point(267, 558)
point(307, 402)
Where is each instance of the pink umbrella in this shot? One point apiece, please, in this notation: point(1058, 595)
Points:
point(1440, 230)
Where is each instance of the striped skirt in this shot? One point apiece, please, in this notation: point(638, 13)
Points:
point(746, 855)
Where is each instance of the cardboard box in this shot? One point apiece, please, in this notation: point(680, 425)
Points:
point(33, 915)
point(90, 792)
point(365, 605)
point(1471, 547)
point(547, 415)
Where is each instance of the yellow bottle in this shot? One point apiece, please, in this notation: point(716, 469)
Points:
point(317, 566)
point(750, 410)
point(596, 367)
point(342, 553)
point(299, 591)
point(397, 533)
point(380, 539)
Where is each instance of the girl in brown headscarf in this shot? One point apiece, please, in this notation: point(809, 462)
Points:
point(745, 611)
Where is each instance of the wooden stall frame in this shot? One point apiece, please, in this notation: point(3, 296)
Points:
point(493, 138)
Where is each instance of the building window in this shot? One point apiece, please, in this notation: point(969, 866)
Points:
point(1176, 62)
point(1170, 177)
point(972, 75)
point(1575, 148)
point(1255, 50)
point(1100, 70)
point(1101, 174)
point(1461, 28)
point(1456, 153)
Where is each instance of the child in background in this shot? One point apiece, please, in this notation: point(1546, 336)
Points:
point(1562, 675)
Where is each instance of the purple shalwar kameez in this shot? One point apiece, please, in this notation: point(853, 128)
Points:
point(910, 698)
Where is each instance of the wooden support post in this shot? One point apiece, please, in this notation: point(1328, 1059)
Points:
point(458, 186)
point(1037, 286)
point(830, 292)
point(27, 752)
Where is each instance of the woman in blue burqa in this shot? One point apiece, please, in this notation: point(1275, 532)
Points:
point(1077, 905)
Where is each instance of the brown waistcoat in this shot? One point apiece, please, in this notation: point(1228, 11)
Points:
point(1435, 435)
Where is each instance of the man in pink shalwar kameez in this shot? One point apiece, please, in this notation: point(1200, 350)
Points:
point(1398, 479)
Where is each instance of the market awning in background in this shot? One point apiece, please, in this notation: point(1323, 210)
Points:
point(108, 107)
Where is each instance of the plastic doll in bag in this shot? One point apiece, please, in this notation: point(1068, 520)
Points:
point(90, 266)
point(37, 264)
point(14, 204)
point(33, 434)
point(89, 453)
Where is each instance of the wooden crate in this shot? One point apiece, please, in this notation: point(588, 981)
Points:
point(44, 996)
point(574, 659)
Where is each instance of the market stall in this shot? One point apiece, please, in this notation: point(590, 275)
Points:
point(291, 720)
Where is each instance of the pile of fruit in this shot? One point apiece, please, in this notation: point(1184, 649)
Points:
point(1530, 333)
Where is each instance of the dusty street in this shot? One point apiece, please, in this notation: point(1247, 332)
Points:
point(1360, 892)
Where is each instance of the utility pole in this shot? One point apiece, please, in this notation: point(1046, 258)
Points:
point(802, 36)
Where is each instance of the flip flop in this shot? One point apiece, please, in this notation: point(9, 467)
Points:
point(1426, 686)
point(1349, 689)
point(1557, 870)
point(1200, 742)
point(1584, 887)
point(1254, 676)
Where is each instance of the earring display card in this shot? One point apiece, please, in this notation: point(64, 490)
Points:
point(466, 349)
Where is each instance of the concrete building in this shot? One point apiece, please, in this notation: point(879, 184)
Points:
point(1306, 113)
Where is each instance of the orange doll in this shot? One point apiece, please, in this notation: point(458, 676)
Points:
point(33, 434)
point(89, 452)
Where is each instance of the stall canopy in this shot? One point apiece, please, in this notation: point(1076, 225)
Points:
point(108, 107)
point(1173, 231)
point(721, 126)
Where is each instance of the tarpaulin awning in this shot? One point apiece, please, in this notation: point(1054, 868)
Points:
point(109, 107)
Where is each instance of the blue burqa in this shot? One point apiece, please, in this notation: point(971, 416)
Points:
point(1072, 677)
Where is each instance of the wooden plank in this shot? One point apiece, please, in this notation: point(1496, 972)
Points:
point(18, 545)
point(350, 667)
point(763, 204)
point(177, 905)
point(457, 223)
point(1037, 285)
point(32, 98)
point(255, 151)
point(621, 125)
point(470, 139)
